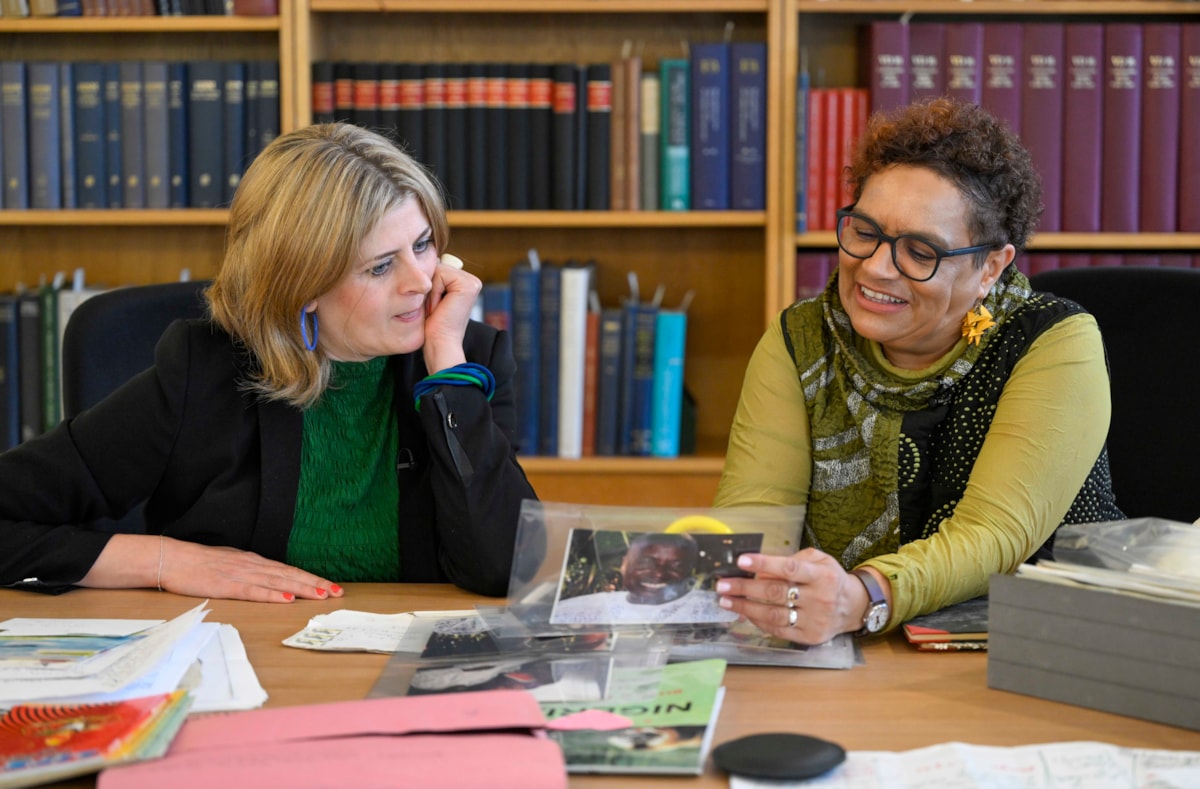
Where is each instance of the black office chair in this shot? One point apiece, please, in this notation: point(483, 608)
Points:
point(110, 338)
point(1147, 318)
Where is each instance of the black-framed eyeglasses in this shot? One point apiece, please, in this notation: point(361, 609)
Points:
point(915, 257)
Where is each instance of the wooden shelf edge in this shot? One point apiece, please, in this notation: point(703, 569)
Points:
point(458, 219)
point(145, 24)
point(120, 217)
point(1009, 7)
point(691, 466)
point(665, 219)
point(826, 239)
point(541, 6)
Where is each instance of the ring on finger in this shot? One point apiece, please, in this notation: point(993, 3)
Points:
point(793, 594)
point(793, 615)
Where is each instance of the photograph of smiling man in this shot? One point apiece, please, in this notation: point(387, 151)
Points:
point(620, 578)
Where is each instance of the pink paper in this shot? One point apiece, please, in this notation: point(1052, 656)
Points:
point(499, 761)
point(592, 720)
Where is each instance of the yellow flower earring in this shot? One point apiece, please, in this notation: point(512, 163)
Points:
point(977, 321)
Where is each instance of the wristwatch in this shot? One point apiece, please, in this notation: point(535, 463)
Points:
point(877, 609)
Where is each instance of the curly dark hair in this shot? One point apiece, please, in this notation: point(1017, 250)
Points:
point(969, 147)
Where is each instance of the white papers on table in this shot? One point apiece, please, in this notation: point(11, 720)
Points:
point(228, 680)
point(157, 661)
point(358, 631)
point(107, 672)
point(1095, 765)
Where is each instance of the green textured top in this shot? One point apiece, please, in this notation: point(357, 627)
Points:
point(347, 504)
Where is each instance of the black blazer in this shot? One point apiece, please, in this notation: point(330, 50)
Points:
point(220, 466)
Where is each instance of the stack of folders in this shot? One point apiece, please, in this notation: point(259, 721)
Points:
point(1116, 634)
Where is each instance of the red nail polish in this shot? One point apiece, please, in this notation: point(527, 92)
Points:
point(335, 588)
point(288, 596)
point(322, 592)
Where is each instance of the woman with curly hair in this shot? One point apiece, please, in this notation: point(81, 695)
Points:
point(937, 417)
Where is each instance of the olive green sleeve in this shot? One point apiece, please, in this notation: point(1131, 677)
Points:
point(1048, 430)
point(769, 459)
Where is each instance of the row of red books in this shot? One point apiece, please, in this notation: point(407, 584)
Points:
point(1109, 111)
point(813, 268)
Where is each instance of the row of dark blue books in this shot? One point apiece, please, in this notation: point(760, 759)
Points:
point(132, 133)
point(591, 380)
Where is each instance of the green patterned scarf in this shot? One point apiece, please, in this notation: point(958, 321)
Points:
point(856, 408)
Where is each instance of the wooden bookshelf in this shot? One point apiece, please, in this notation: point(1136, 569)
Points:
point(828, 31)
point(741, 264)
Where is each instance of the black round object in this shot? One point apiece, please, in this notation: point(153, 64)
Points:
point(790, 756)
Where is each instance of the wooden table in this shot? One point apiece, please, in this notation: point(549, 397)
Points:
point(898, 700)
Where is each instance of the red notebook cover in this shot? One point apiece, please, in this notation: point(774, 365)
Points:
point(1122, 127)
point(1002, 72)
point(1042, 114)
point(964, 60)
point(926, 59)
point(886, 66)
point(1159, 176)
point(1083, 125)
point(1189, 120)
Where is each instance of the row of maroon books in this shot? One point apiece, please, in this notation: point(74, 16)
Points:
point(813, 268)
point(1109, 111)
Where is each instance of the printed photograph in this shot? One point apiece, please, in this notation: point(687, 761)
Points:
point(548, 679)
point(646, 578)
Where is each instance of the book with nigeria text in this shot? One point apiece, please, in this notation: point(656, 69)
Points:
point(669, 733)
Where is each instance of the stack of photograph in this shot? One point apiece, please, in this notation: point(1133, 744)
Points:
point(612, 623)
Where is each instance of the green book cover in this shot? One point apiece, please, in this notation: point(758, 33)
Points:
point(671, 731)
point(675, 187)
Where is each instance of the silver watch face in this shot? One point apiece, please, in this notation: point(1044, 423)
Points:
point(877, 618)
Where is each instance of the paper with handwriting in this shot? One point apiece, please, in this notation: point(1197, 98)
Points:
point(1078, 765)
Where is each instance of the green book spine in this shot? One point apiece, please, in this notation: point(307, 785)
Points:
point(675, 152)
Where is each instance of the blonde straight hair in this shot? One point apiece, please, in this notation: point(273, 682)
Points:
point(296, 227)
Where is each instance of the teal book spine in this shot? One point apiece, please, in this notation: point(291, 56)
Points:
point(675, 187)
point(670, 343)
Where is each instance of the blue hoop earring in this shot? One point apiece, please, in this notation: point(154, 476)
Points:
point(309, 344)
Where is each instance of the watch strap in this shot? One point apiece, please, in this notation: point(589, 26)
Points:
point(875, 596)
